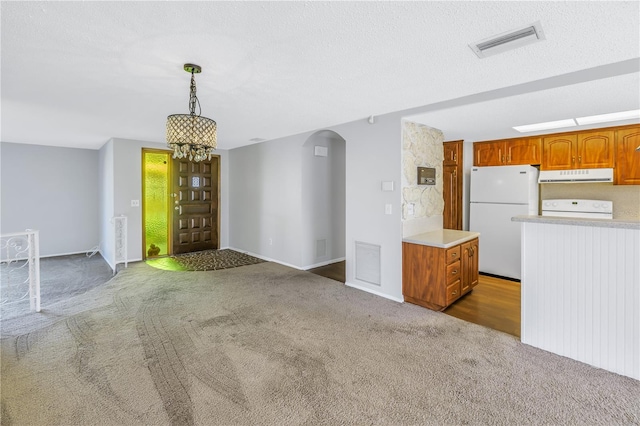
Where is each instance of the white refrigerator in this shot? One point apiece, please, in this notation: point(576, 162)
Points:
point(498, 194)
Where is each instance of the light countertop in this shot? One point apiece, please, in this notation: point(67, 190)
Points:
point(602, 223)
point(443, 238)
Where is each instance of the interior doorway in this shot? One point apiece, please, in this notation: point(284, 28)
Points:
point(180, 204)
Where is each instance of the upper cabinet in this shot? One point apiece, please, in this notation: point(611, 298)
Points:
point(627, 170)
point(452, 152)
point(509, 152)
point(524, 151)
point(611, 147)
point(583, 150)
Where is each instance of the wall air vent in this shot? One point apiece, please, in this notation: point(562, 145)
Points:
point(508, 41)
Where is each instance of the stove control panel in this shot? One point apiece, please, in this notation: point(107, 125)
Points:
point(586, 206)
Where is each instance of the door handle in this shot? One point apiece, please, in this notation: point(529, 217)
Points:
point(177, 208)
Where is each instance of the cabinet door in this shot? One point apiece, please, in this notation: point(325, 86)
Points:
point(488, 153)
point(559, 152)
point(452, 194)
point(595, 150)
point(452, 150)
point(423, 275)
point(524, 151)
point(627, 171)
point(469, 265)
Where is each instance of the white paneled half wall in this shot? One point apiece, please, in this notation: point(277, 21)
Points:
point(581, 293)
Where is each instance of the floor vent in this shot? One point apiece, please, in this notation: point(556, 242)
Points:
point(368, 262)
point(508, 41)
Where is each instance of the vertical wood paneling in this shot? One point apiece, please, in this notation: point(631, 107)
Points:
point(581, 294)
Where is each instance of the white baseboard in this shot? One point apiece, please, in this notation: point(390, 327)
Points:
point(265, 258)
point(372, 291)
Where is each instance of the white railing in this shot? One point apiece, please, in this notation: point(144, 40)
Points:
point(120, 229)
point(19, 256)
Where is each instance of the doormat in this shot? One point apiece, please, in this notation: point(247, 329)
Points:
point(211, 260)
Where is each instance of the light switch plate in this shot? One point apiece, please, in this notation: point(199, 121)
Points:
point(410, 209)
point(387, 185)
point(388, 208)
point(135, 203)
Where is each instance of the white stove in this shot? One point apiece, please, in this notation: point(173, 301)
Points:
point(588, 209)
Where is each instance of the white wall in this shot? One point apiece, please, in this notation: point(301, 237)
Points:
point(265, 199)
point(467, 164)
point(373, 155)
point(323, 200)
point(53, 190)
point(106, 200)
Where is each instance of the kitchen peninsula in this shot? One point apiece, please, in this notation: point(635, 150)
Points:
point(438, 267)
point(581, 290)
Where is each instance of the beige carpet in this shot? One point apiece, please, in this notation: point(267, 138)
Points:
point(268, 345)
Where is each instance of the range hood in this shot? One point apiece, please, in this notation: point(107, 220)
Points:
point(576, 176)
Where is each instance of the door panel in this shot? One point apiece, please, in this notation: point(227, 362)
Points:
point(559, 152)
point(595, 149)
point(195, 213)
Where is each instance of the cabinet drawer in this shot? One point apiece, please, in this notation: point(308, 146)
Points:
point(453, 272)
point(452, 254)
point(453, 292)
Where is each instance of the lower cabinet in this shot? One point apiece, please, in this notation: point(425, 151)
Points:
point(435, 277)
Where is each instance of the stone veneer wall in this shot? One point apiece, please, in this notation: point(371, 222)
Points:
point(421, 147)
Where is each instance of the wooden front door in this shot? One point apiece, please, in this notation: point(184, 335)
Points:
point(195, 205)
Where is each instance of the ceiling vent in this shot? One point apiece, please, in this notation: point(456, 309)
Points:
point(508, 41)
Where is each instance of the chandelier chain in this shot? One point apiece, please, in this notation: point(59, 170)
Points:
point(193, 99)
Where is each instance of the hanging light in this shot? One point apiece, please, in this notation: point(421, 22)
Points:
point(191, 135)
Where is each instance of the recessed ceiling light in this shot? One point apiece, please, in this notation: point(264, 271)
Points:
point(614, 116)
point(545, 126)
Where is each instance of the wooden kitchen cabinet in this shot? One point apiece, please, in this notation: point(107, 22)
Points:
point(487, 154)
point(452, 185)
point(436, 277)
point(627, 158)
point(582, 150)
point(469, 262)
point(524, 151)
point(508, 152)
point(452, 153)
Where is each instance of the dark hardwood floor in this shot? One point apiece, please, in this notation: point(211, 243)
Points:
point(493, 303)
point(335, 271)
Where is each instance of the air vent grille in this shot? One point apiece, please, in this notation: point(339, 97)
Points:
point(508, 41)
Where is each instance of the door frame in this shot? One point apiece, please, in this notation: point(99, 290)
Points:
point(170, 197)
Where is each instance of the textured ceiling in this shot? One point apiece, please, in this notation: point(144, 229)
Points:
point(78, 73)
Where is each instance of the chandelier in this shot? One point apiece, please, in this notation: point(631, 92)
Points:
point(191, 135)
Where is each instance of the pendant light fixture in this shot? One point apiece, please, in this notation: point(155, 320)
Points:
point(191, 135)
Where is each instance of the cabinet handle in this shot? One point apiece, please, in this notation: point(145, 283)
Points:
point(453, 293)
point(580, 159)
point(454, 272)
point(573, 159)
point(454, 254)
point(455, 157)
